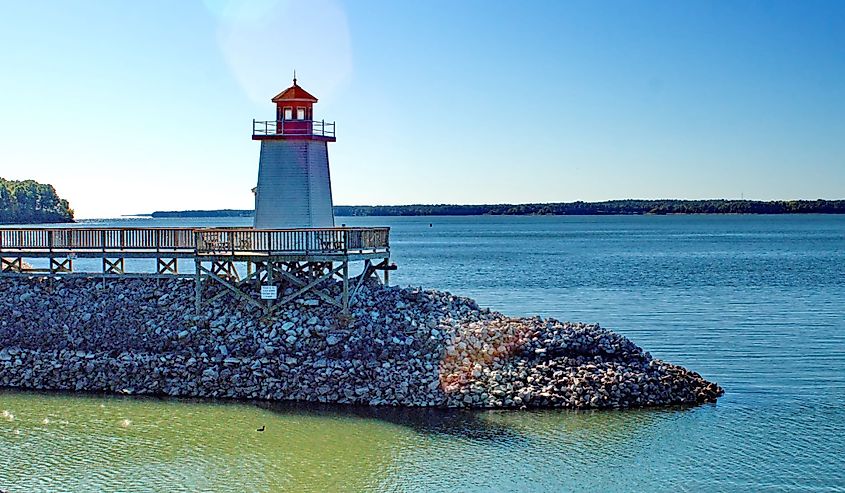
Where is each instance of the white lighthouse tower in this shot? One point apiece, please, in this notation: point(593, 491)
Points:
point(294, 186)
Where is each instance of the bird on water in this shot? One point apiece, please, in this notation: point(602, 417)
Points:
point(262, 428)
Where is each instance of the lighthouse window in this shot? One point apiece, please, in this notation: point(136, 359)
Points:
point(288, 113)
point(300, 113)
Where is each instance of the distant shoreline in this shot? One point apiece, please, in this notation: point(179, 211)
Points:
point(606, 208)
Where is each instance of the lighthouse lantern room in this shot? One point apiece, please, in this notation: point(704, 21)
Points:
point(294, 185)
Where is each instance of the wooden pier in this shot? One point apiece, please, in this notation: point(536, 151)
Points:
point(293, 263)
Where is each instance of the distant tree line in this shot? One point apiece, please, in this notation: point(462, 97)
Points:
point(206, 213)
point(610, 207)
point(23, 202)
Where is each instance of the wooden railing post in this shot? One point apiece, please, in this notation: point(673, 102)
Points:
point(345, 295)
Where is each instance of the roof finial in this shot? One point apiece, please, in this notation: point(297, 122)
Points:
point(294, 76)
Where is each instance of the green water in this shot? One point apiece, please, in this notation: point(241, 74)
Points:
point(103, 443)
point(125, 444)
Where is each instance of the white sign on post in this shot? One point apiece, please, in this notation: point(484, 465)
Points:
point(269, 292)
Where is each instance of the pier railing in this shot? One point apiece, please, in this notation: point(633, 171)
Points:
point(96, 239)
point(287, 241)
point(319, 128)
point(19, 241)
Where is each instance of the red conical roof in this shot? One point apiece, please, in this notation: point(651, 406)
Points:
point(294, 93)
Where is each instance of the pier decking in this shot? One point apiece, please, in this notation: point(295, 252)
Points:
point(295, 261)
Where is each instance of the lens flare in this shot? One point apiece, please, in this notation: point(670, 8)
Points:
point(264, 42)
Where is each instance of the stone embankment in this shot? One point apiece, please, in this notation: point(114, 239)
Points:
point(401, 346)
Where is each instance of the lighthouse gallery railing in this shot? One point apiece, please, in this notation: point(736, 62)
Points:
point(217, 241)
point(319, 128)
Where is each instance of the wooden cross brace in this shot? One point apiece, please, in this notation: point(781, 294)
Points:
point(305, 287)
point(296, 268)
point(61, 265)
point(255, 274)
point(385, 266)
point(166, 266)
point(369, 269)
point(11, 265)
point(115, 266)
point(231, 287)
point(225, 269)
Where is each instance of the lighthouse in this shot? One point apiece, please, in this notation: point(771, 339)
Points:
point(294, 185)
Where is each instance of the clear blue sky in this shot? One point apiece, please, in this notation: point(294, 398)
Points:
point(131, 107)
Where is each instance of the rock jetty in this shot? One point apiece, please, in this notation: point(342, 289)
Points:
point(399, 347)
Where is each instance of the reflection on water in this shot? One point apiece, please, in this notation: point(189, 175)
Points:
point(754, 303)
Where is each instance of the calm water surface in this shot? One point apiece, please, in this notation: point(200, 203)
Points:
point(754, 303)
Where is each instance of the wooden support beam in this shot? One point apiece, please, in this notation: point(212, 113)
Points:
point(307, 287)
point(166, 266)
point(269, 282)
point(300, 283)
point(240, 285)
point(225, 269)
point(369, 269)
point(345, 296)
point(198, 285)
point(255, 274)
point(295, 267)
point(234, 289)
point(11, 265)
point(385, 266)
point(115, 266)
point(61, 265)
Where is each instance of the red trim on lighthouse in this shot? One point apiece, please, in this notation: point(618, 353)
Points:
point(294, 93)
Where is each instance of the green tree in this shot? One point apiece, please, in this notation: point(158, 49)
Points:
point(31, 202)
